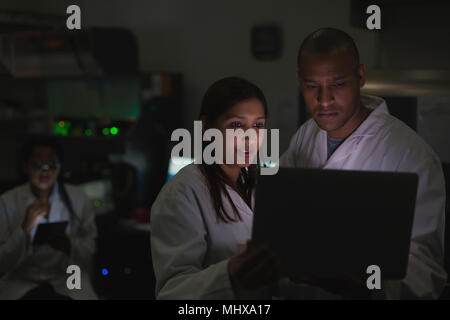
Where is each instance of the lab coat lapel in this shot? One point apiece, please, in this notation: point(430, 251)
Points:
point(367, 128)
point(25, 199)
point(348, 147)
point(240, 204)
point(56, 205)
point(315, 148)
point(321, 152)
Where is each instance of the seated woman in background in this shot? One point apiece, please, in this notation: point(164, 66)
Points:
point(32, 271)
point(201, 220)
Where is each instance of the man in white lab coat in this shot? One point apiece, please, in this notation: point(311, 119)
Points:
point(351, 131)
point(32, 271)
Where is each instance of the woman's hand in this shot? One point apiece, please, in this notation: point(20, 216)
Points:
point(34, 213)
point(253, 268)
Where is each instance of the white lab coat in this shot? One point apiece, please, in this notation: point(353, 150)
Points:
point(25, 268)
point(191, 248)
point(384, 143)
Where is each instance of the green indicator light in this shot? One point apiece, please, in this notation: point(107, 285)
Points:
point(105, 131)
point(88, 132)
point(56, 129)
point(60, 131)
point(114, 131)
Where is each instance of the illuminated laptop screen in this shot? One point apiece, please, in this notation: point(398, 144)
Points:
point(99, 193)
point(176, 164)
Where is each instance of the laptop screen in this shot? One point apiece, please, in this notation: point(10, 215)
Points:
point(176, 164)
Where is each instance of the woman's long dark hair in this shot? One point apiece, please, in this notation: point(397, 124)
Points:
point(218, 99)
point(27, 150)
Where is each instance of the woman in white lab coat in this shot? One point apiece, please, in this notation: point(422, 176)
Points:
point(32, 271)
point(201, 220)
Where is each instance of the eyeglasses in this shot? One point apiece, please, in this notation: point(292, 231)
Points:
point(44, 166)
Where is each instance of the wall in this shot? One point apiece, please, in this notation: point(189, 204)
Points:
point(416, 35)
point(206, 40)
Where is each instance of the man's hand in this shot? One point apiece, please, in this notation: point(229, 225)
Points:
point(34, 213)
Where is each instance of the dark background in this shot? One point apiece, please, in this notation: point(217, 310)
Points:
point(142, 66)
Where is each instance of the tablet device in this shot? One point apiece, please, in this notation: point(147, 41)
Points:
point(45, 230)
point(324, 223)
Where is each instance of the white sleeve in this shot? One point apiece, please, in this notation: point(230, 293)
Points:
point(289, 158)
point(426, 276)
point(13, 246)
point(179, 246)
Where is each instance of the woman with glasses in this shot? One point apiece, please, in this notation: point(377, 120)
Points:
point(35, 269)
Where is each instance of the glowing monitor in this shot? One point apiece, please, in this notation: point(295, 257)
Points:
point(176, 164)
point(99, 193)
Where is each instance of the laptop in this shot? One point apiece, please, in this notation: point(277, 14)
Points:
point(323, 223)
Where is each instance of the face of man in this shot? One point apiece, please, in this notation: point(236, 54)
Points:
point(331, 84)
point(42, 168)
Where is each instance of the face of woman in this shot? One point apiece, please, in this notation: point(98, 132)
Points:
point(246, 115)
point(42, 168)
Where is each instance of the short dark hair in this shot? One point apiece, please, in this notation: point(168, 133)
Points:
point(328, 40)
point(40, 141)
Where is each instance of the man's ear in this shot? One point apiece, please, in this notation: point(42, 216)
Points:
point(362, 75)
point(299, 79)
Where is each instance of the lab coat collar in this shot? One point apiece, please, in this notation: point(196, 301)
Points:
point(240, 204)
point(369, 127)
point(372, 123)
